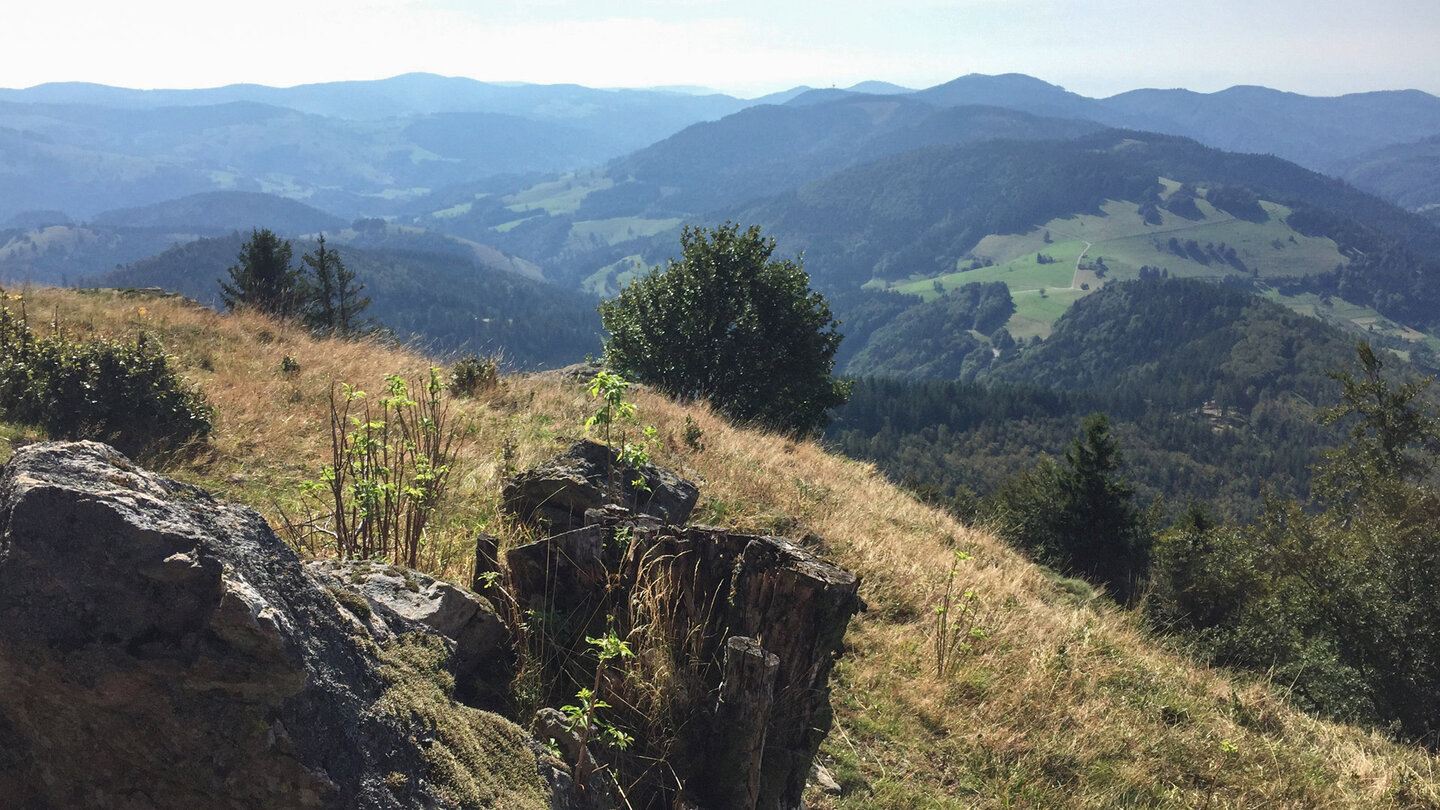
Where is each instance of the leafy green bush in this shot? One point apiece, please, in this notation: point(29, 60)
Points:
point(123, 393)
point(473, 375)
point(390, 468)
point(728, 323)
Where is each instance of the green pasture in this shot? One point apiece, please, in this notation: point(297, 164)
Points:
point(1035, 314)
point(608, 280)
point(560, 196)
point(621, 229)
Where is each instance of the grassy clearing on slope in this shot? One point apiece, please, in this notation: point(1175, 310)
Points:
point(1121, 238)
point(561, 196)
point(610, 279)
point(1352, 317)
point(1036, 314)
point(621, 229)
point(1126, 242)
point(1061, 702)
point(1023, 273)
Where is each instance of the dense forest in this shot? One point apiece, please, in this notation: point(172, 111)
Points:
point(934, 340)
point(1256, 484)
point(1211, 390)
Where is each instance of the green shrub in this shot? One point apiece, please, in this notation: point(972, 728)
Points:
point(729, 324)
point(473, 375)
point(389, 470)
point(122, 392)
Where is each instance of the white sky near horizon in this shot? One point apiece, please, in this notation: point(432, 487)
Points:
point(745, 47)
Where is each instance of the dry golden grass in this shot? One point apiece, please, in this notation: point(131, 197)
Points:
point(1065, 702)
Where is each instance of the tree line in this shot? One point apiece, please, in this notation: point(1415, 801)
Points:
point(321, 292)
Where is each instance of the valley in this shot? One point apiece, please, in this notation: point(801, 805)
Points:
point(1134, 388)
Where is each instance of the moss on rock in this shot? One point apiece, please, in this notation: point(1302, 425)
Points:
point(476, 759)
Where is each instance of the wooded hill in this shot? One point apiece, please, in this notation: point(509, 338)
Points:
point(446, 302)
point(994, 208)
point(1211, 390)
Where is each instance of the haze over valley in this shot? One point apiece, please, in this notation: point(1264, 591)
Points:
point(1074, 430)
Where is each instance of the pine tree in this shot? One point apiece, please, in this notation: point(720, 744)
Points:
point(1079, 517)
point(262, 277)
point(333, 303)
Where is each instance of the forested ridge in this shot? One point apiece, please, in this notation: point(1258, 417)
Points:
point(449, 302)
point(1211, 390)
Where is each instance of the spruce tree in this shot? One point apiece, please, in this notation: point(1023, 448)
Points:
point(262, 277)
point(333, 303)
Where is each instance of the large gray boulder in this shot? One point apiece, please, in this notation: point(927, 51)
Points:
point(161, 650)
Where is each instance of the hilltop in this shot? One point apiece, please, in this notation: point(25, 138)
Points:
point(1059, 699)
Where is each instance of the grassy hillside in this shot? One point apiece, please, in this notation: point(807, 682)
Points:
point(1059, 702)
point(1071, 256)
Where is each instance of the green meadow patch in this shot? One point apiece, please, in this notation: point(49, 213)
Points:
point(1071, 256)
point(560, 196)
point(610, 279)
point(621, 229)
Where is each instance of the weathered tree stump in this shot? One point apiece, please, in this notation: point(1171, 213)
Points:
point(730, 779)
point(590, 475)
point(749, 719)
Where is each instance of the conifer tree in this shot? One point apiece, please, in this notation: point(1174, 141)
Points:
point(333, 303)
point(262, 277)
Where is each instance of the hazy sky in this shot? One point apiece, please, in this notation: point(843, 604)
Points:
point(1094, 47)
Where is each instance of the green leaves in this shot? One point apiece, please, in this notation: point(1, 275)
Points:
point(390, 467)
point(121, 392)
point(609, 388)
point(729, 324)
point(609, 647)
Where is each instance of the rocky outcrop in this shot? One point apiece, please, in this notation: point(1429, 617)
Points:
point(396, 597)
point(161, 650)
point(588, 476)
point(749, 625)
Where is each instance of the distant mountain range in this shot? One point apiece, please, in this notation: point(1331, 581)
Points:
point(362, 148)
point(897, 197)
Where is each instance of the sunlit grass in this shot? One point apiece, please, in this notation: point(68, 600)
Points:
point(1064, 703)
